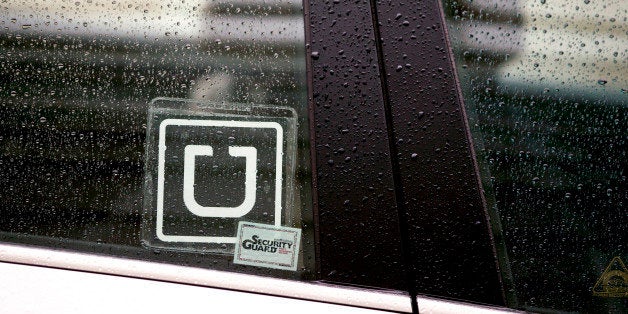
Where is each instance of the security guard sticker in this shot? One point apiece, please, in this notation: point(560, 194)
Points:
point(267, 246)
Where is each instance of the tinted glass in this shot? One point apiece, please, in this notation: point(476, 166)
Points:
point(77, 80)
point(545, 84)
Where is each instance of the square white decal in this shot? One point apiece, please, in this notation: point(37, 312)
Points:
point(216, 170)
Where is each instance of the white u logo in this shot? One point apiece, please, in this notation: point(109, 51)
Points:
point(250, 184)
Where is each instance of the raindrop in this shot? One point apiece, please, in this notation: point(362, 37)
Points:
point(602, 82)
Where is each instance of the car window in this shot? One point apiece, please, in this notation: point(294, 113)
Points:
point(86, 86)
point(544, 84)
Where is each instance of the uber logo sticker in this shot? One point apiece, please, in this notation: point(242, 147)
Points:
point(209, 166)
point(213, 173)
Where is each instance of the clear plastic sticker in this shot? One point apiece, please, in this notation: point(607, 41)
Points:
point(210, 166)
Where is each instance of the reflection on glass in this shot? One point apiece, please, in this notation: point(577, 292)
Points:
point(545, 86)
point(77, 78)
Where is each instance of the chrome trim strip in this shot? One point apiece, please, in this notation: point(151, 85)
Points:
point(382, 300)
point(435, 305)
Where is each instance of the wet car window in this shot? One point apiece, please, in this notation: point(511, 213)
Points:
point(545, 88)
point(82, 83)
